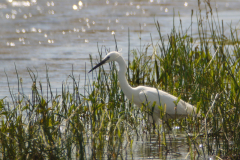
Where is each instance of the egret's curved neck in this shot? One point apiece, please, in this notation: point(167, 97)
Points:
point(126, 88)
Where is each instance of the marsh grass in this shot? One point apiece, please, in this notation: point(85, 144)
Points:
point(100, 123)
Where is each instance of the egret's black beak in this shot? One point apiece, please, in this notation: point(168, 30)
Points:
point(99, 64)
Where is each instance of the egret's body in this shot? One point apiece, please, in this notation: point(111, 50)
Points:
point(149, 95)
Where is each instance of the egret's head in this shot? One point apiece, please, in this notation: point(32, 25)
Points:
point(111, 56)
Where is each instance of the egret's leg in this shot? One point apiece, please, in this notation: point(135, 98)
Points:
point(171, 129)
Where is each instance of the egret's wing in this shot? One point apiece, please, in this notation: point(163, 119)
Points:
point(150, 95)
point(167, 101)
point(147, 97)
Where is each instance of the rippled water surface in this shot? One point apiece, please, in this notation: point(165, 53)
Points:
point(60, 34)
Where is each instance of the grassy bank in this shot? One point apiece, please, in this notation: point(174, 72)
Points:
point(100, 123)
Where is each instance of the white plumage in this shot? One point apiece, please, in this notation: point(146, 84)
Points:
point(148, 95)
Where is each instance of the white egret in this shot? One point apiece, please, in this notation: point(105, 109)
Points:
point(148, 95)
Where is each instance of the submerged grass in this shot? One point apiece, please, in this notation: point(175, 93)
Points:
point(100, 123)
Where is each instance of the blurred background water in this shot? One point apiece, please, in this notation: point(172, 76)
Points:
point(60, 34)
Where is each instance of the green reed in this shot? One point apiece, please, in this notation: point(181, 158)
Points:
point(100, 123)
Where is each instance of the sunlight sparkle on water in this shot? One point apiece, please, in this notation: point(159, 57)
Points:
point(33, 29)
point(88, 25)
point(25, 16)
point(21, 39)
point(166, 9)
point(11, 44)
point(75, 7)
point(20, 3)
point(176, 127)
point(7, 16)
point(50, 41)
point(14, 11)
point(83, 29)
point(50, 11)
point(80, 4)
point(185, 4)
point(50, 4)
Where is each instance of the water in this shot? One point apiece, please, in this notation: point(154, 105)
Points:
point(61, 34)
